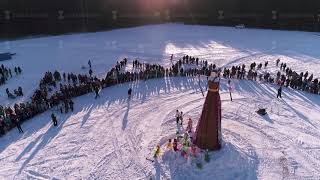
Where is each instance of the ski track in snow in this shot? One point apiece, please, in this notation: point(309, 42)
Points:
point(111, 137)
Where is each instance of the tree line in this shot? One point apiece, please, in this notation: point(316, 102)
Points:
point(19, 17)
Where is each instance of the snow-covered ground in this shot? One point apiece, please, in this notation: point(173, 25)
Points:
point(110, 138)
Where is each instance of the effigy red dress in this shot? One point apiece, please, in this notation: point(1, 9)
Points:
point(208, 132)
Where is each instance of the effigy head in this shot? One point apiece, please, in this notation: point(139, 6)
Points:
point(213, 74)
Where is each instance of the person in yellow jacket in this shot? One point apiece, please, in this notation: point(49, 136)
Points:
point(157, 152)
point(169, 145)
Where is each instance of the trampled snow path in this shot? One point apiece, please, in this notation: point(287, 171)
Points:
point(111, 137)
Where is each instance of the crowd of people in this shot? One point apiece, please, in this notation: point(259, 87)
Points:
point(6, 73)
point(47, 96)
point(56, 90)
point(190, 66)
point(141, 71)
point(17, 92)
point(285, 77)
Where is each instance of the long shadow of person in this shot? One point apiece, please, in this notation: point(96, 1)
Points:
point(267, 118)
point(125, 117)
point(158, 169)
point(44, 139)
point(87, 115)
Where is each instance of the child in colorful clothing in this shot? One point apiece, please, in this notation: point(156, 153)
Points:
point(189, 127)
point(157, 152)
point(169, 145)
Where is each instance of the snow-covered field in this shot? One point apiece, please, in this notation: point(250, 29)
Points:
point(110, 138)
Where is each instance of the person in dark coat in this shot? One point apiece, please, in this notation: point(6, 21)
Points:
point(16, 70)
point(2, 131)
point(61, 109)
point(89, 63)
point(177, 116)
point(230, 89)
point(96, 90)
point(18, 124)
point(279, 92)
point(71, 105)
point(54, 120)
point(20, 91)
point(19, 70)
point(66, 106)
point(7, 91)
point(129, 93)
point(278, 61)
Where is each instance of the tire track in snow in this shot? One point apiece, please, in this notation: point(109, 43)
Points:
point(128, 137)
point(105, 159)
point(277, 138)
